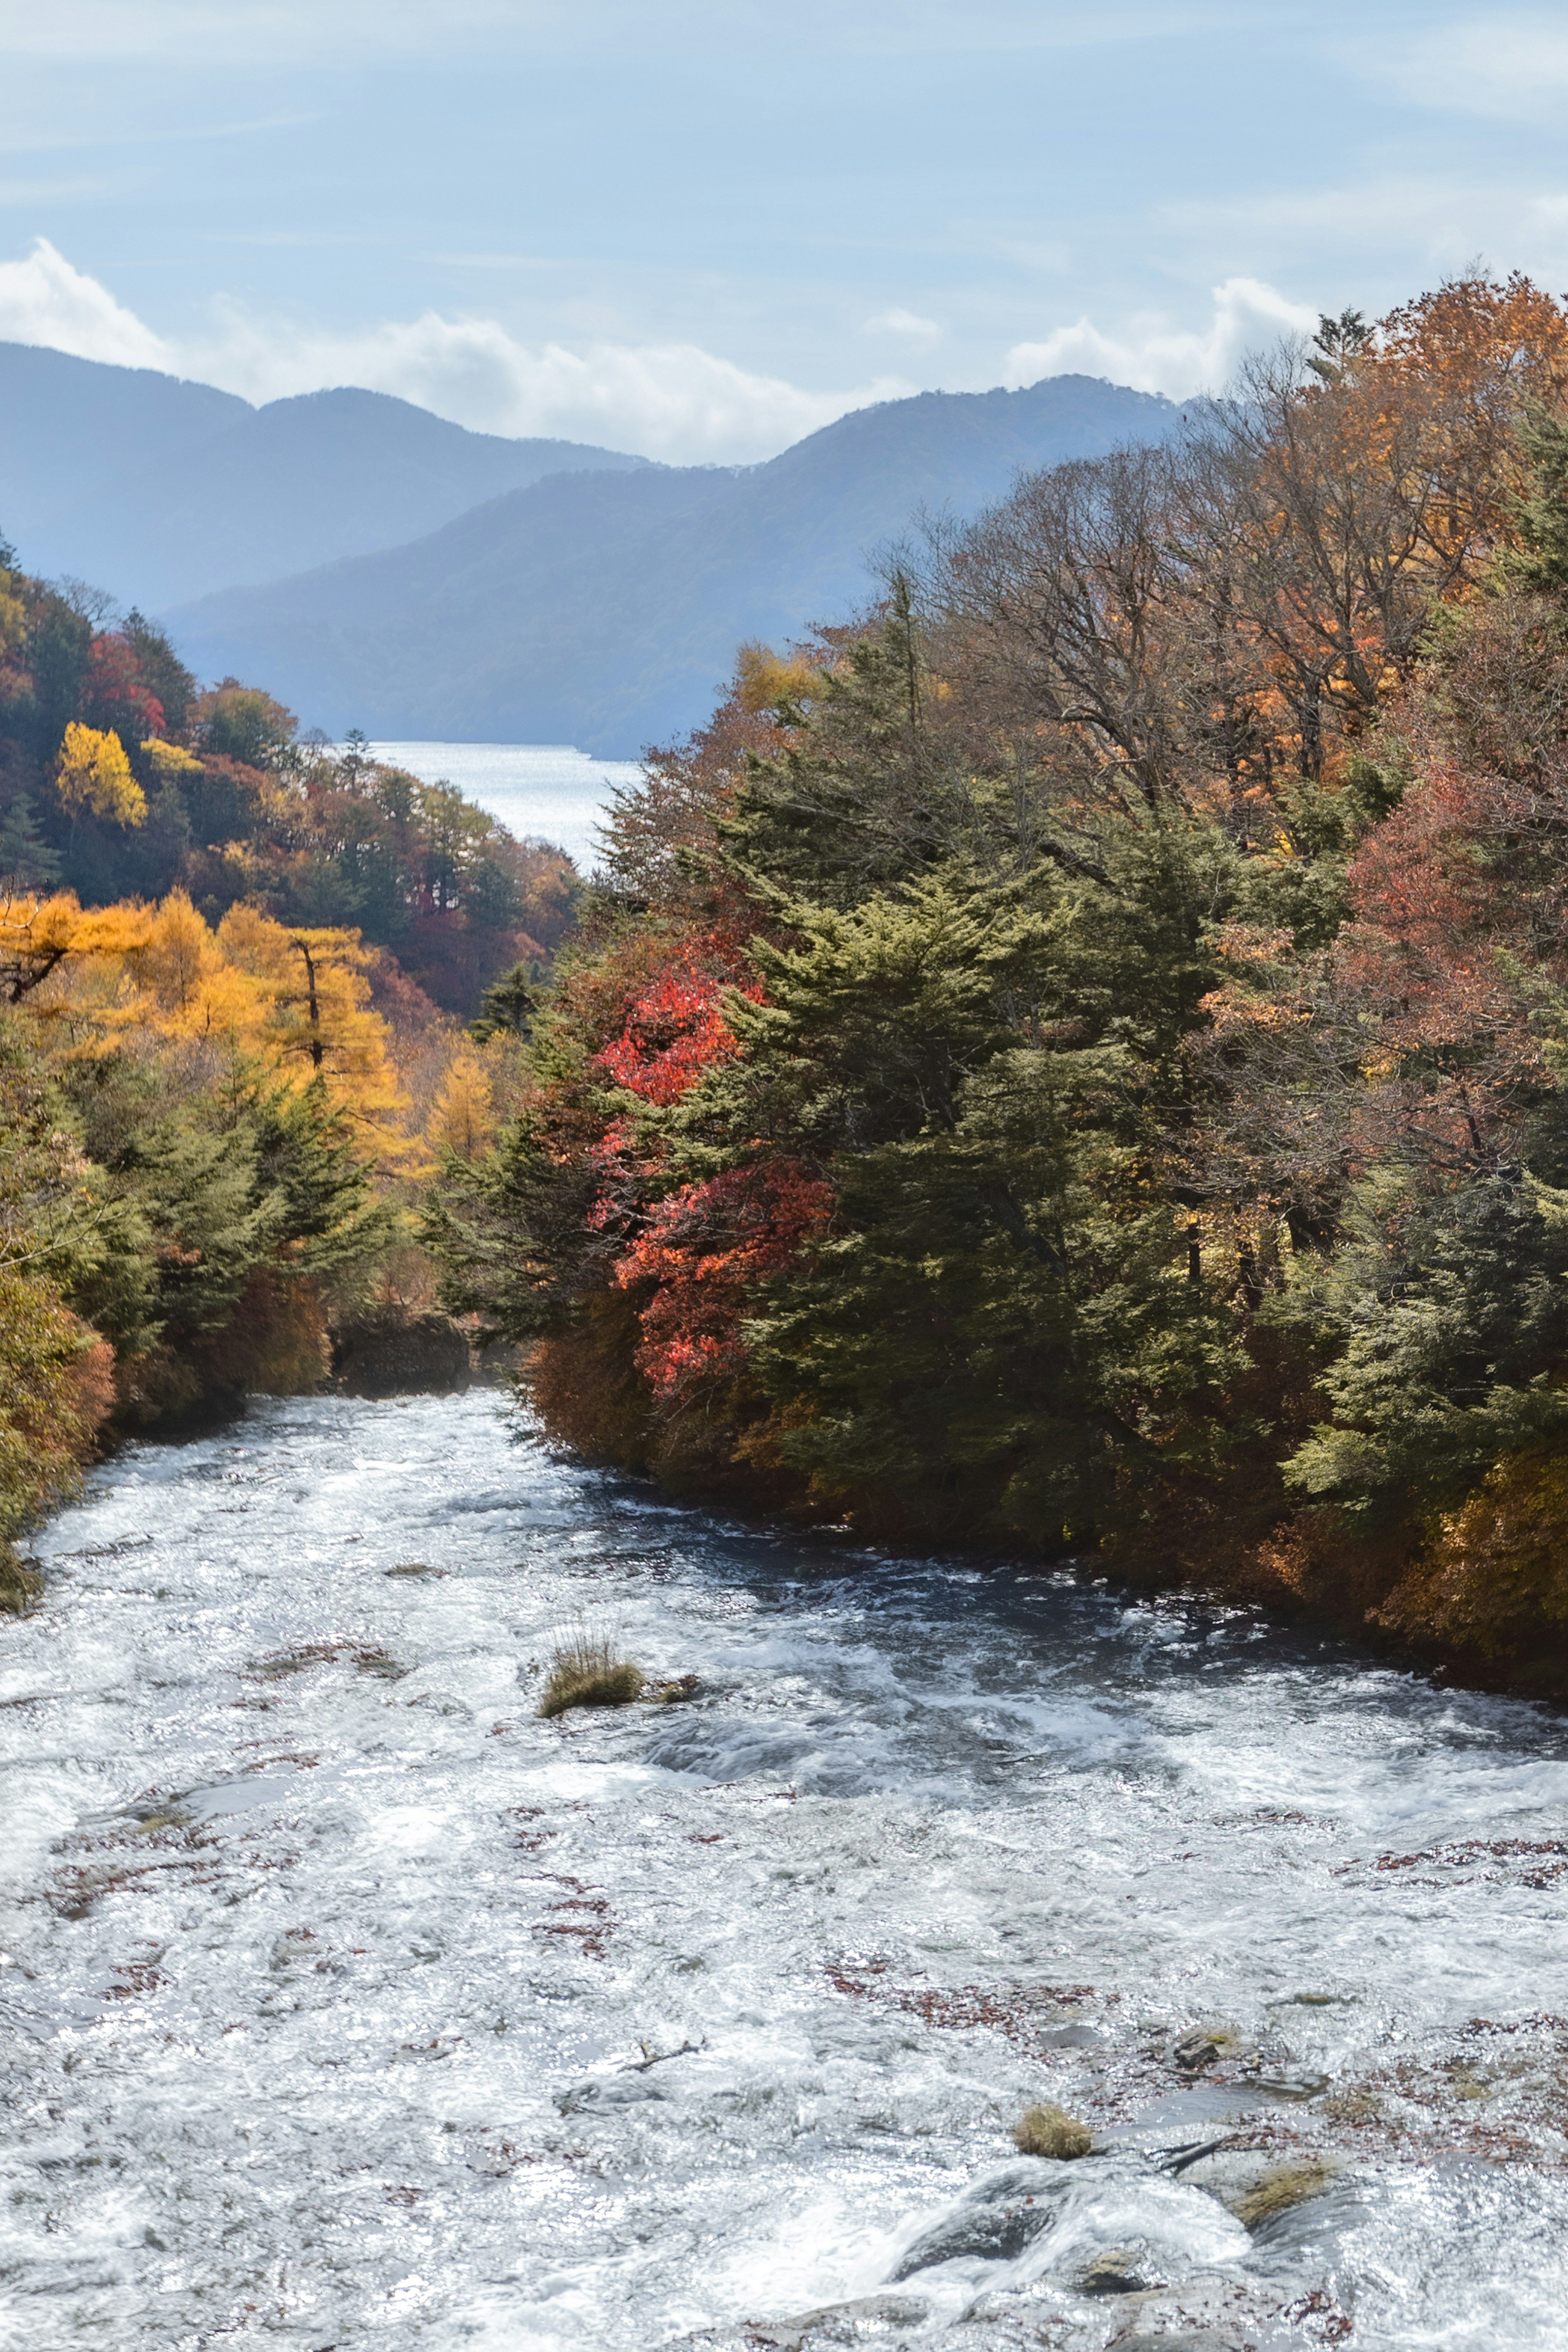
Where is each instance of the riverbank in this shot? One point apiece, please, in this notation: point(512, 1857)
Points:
point(347, 1990)
point(1306, 1571)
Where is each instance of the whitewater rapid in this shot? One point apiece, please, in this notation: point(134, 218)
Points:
point(348, 2003)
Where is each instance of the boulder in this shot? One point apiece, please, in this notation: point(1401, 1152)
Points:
point(996, 2221)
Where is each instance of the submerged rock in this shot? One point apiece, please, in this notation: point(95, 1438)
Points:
point(1283, 2186)
point(1256, 2189)
point(1115, 2270)
point(865, 2320)
point(1204, 2046)
point(675, 1692)
point(1180, 2339)
point(1293, 2083)
point(631, 2089)
point(996, 2221)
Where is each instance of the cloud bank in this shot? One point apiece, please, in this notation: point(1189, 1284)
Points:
point(44, 300)
point(1511, 63)
point(672, 401)
point(1153, 355)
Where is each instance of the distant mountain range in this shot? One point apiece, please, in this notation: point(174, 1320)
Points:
point(160, 490)
point(376, 567)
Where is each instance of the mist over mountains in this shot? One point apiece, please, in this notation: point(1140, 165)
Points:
point(376, 567)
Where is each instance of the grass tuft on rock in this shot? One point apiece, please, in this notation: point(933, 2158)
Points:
point(1288, 2185)
point(586, 1672)
point(1047, 2130)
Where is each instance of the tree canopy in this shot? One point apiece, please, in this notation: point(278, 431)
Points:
point(1075, 1057)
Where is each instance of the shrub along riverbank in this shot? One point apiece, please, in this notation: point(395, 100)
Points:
point(1075, 1062)
point(211, 1142)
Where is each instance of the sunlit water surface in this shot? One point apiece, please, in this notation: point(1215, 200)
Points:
point(541, 792)
point(350, 2003)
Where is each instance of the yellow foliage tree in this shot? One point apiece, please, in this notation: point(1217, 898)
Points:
point(37, 935)
point(295, 1003)
point(92, 772)
point(170, 758)
point(462, 1117)
point(318, 1021)
point(764, 679)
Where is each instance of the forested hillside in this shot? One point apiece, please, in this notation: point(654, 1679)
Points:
point(604, 609)
point(119, 779)
point(1076, 1064)
point(233, 971)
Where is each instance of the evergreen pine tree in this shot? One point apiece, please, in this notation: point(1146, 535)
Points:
point(509, 1005)
point(1543, 507)
point(27, 861)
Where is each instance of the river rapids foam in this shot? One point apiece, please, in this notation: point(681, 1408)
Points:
point(348, 2003)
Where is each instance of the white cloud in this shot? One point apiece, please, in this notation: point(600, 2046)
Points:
point(1153, 355)
point(44, 300)
point(1509, 62)
point(908, 323)
point(673, 401)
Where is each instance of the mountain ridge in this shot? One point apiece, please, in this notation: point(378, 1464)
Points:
point(603, 609)
point(158, 490)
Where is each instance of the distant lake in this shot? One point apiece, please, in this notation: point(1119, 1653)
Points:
point(541, 792)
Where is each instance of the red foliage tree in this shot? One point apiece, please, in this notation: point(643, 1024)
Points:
point(113, 696)
point(704, 1250)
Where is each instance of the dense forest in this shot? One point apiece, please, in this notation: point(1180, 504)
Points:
point(1074, 1062)
point(233, 968)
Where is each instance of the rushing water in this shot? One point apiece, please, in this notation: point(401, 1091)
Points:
point(349, 2003)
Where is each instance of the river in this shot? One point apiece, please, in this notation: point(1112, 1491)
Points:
point(348, 2003)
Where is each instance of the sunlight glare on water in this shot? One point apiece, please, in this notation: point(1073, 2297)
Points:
point(539, 792)
point(349, 2001)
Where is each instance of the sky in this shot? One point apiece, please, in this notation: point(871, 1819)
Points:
point(701, 228)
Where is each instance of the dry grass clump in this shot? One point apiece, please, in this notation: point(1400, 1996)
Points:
point(1290, 2184)
point(586, 1672)
point(1047, 2130)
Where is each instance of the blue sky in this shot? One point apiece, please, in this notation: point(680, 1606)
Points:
point(700, 230)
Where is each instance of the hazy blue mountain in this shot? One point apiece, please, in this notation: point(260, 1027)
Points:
point(604, 609)
point(158, 495)
point(68, 425)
